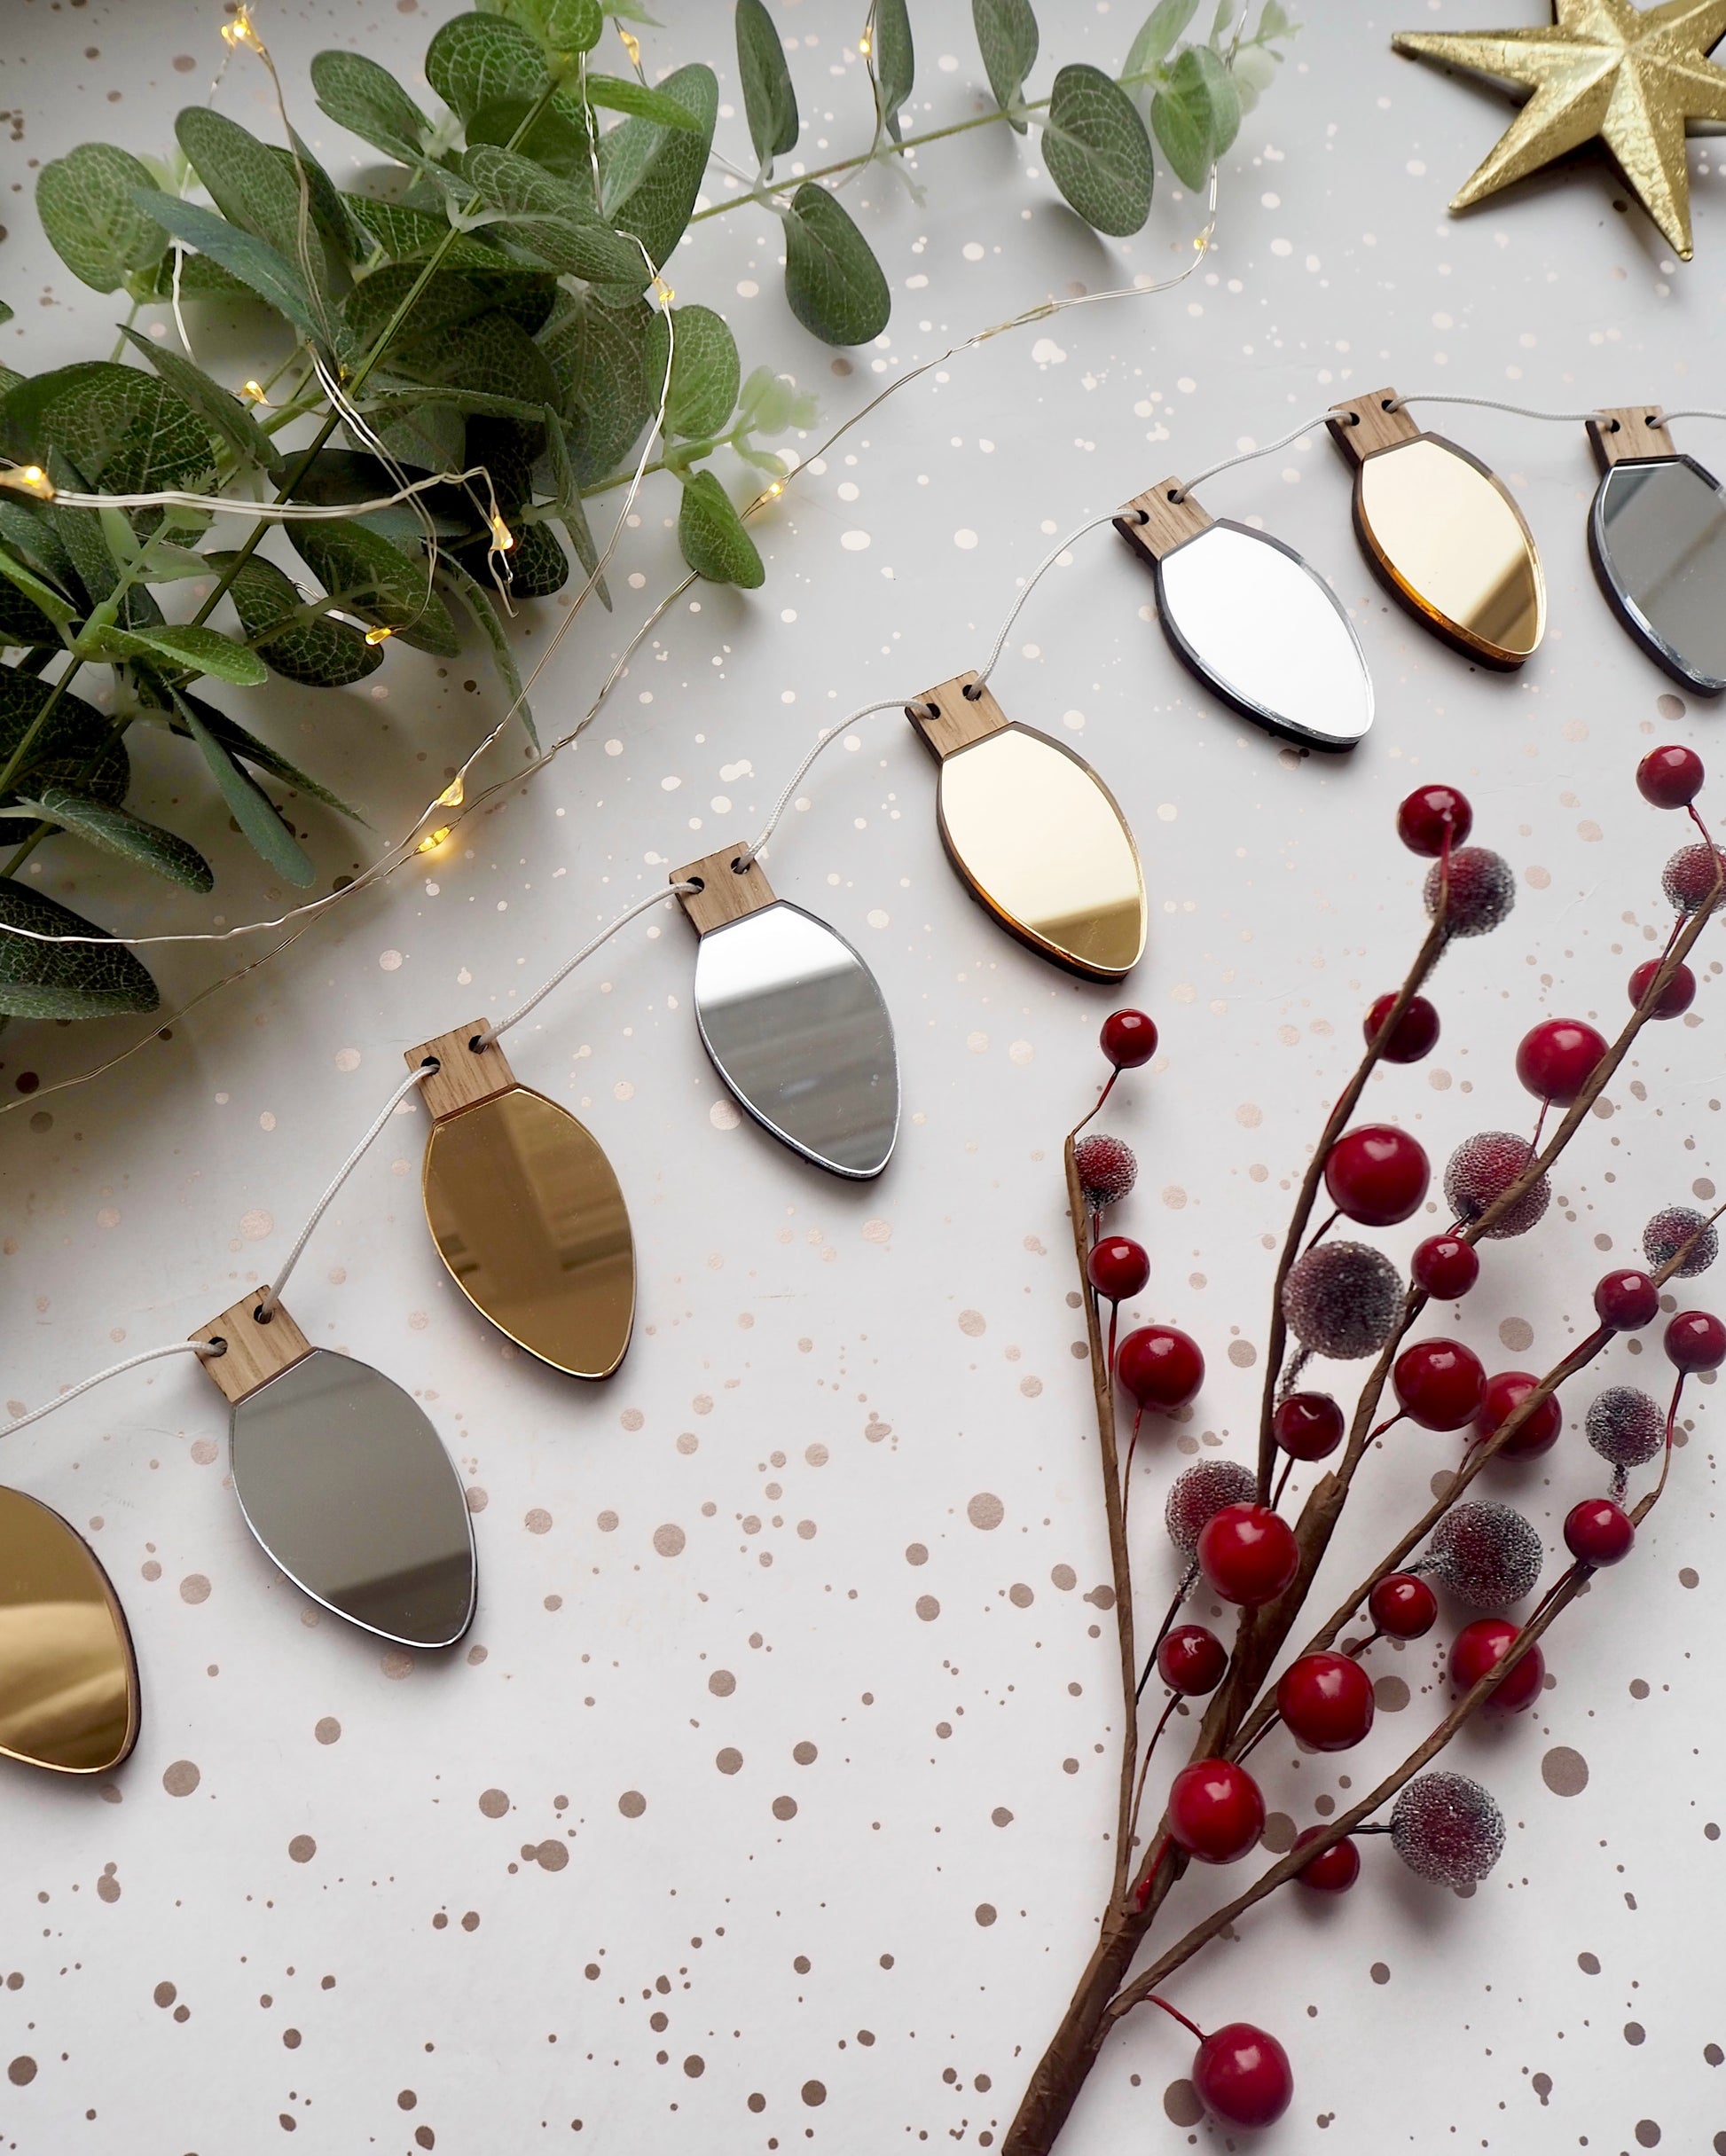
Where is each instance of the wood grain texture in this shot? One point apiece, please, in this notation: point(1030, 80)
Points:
point(728, 893)
point(948, 719)
point(1623, 433)
point(1155, 524)
point(465, 1075)
point(254, 1352)
point(1366, 424)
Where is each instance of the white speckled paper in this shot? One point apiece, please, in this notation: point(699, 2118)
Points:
point(767, 1807)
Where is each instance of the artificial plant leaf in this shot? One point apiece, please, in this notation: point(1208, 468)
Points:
point(596, 354)
point(565, 504)
point(124, 431)
point(366, 575)
point(64, 980)
point(1097, 152)
point(770, 98)
point(411, 235)
point(476, 601)
point(320, 653)
point(574, 26)
point(30, 600)
point(201, 277)
point(117, 830)
point(418, 429)
point(255, 187)
point(369, 102)
point(615, 93)
point(223, 414)
point(650, 174)
point(1156, 39)
point(201, 651)
point(895, 60)
point(74, 745)
point(705, 370)
point(86, 202)
point(476, 60)
point(251, 808)
point(1197, 115)
point(447, 298)
point(1006, 38)
point(711, 535)
point(234, 738)
point(28, 530)
point(560, 137)
point(833, 282)
point(552, 219)
point(257, 265)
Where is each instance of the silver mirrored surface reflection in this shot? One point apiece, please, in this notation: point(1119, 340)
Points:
point(344, 1482)
point(796, 1027)
point(1253, 619)
point(1658, 535)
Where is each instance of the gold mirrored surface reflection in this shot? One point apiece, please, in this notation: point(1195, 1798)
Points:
point(529, 1216)
point(68, 1684)
point(1039, 839)
point(1454, 546)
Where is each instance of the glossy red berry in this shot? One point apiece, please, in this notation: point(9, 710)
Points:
point(1243, 2077)
point(1537, 1433)
point(1376, 1174)
point(1248, 1553)
point(1118, 1267)
point(1675, 997)
point(1129, 1039)
point(1403, 1606)
point(1160, 1366)
point(1482, 1646)
point(1191, 1660)
point(1326, 1700)
point(1597, 1531)
point(1557, 1057)
point(1670, 778)
point(1431, 815)
point(1446, 1267)
point(1215, 1811)
point(1333, 1870)
point(1696, 1340)
point(1415, 1032)
point(1308, 1425)
point(1627, 1301)
point(1439, 1383)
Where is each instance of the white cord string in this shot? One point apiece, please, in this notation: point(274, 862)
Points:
point(1698, 413)
point(200, 1348)
point(1246, 455)
point(489, 1033)
point(1037, 576)
point(823, 741)
point(1488, 404)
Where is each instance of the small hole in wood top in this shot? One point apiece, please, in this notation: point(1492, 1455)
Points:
point(696, 884)
point(740, 867)
point(219, 1346)
point(261, 1316)
point(1616, 427)
point(477, 1044)
point(971, 692)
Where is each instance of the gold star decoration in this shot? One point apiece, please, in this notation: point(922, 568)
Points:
point(1604, 69)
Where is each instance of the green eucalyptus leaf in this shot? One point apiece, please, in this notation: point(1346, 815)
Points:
point(1158, 36)
point(227, 418)
point(369, 102)
point(74, 745)
point(124, 431)
point(449, 299)
point(259, 819)
point(476, 60)
point(411, 235)
point(253, 186)
point(32, 611)
point(201, 278)
point(366, 575)
point(770, 98)
point(833, 282)
point(476, 602)
point(1252, 71)
point(574, 26)
point(538, 565)
point(420, 430)
point(320, 653)
point(710, 533)
point(1197, 115)
point(256, 264)
point(895, 59)
point(650, 174)
point(201, 651)
point(705, 370)
point(118, 831)
point(234, 738)
point(86, 201)
point(1006, 38)
point(566, 503)
point(1097, 152)
point(27, 529)
point(64, 980)
point(597, 353)
point(1276, 21)
point(631, 11)
point(615, 93)
point(552, 219)
point(560, 138)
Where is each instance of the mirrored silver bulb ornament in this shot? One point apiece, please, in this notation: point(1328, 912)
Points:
point(1656, 538)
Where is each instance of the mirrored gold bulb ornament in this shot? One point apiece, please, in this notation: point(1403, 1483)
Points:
point(1657, 537)
point(68, 1678)
point(1036, 836)
point(525, 1209)
point(1442, 532)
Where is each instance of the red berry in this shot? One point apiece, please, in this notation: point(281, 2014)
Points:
point(1416, 1032)
point(1308, 1425)
point(1191, 1660)
point(1129, 1039)
point(1215, 1811)
point(1675, 997)
point(1326, 1700)
point(1248, 1553)
point(1118, 1267)
point(1333, 1870)
point(1446, 1267)
point(1670, 778)
point(1107, 1170)
point(1376, 1174)
point(1627, 1301)
point(1431, 815)
point(1438, 1382)
point(1537, 1434)
point(1482, 1646)
point(1160, 1366)
point(1556, 1059)
point(1696, 1340)
point(1597, 1531)
point(1403, 1606)
point(1243, 2077)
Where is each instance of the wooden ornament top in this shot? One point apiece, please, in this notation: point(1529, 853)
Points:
point(1622, 434)
point(728, 893)
point(255, 1352)
point(1373, 422)
point(955, 714)
point(465, 1075)
point(1154, 524)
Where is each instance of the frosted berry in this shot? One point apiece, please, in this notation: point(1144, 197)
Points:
point(1215, 1811)
point(1308, 1425)
point(1191, 1660)
point(1444, 1267)
point(1670, 778)
point(1430, 816)
point(1248, 1553)
point(1333, 1870)
point(1597, 1531)
point(1482, 890)
point(1556, 1059)
point(1160, 1366)
point(1695, 1340)
point(1675, 997)
point(1243, 2077)
point(1627, 1301)
point(1342, 1299)
point(1416, 1032)
point(1688, 879)
point(1199, 1494)
point(1439, 1384)
point(1326, 1701)
point(1667, 1233)
point(1538, 1433)
point(1376, 1174)
point(1487, 1553)
point(1446, 1827)
point(1482, 1169)
point(1129, 1039)
point(1402, 1606)
point(1625, 1426)
point(1117, 1267)
point(1107, 1170)
point(1480, 1647)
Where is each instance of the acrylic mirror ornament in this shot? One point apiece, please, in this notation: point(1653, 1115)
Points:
point(343, 1481)
point(1657, 535)
point(1251, 619)
point(525, 1209)
point(68, 1682)
point(1036, 836)
point(1442, 533)
point(793, 1019)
